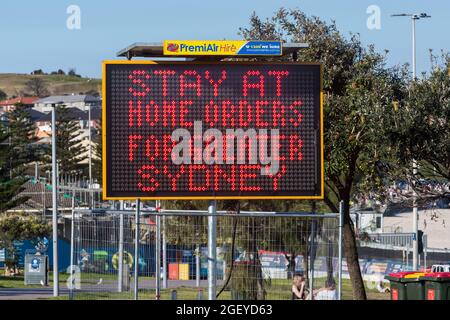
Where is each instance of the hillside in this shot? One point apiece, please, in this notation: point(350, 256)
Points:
point(14, 84)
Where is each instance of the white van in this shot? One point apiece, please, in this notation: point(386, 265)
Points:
point(440, 268)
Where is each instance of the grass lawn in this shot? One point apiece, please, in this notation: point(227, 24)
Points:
point(87, 278)
point(277, 289)
point(276, 292)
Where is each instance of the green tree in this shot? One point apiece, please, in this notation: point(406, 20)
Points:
point(3, 95)
point(358, 95)
point(421, 132)
point(10, 182)
point(22, 131)
point(19, 227)
point(69, 150)
point(97, 154)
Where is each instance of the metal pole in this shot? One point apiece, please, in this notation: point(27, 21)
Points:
point(90, 157)
point(407, 257)
point(158, 254)
point(197, 266)
point(136, 249)
point(311, 261)
point(341, 240)
point(415, 251)
point(72, 245)
point(120, 264)
point(413, 19)
point(54, 208)
point(164, 252)
point(212, 250)
point(424, 239)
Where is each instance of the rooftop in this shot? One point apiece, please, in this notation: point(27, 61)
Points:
point(69, 99)
point(18, 100)
point(75, 114)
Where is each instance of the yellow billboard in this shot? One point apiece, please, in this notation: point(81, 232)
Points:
point(221, 48)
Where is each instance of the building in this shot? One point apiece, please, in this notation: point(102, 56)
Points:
point(79, 101)
point(367, 220)
point(44, 127)
point(11, 104)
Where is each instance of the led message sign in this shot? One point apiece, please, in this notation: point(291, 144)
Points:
point(227, 130)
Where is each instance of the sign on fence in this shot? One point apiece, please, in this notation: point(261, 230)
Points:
point(227, 130)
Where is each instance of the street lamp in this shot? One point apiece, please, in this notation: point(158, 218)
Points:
point(414, 17)
point(54, 204)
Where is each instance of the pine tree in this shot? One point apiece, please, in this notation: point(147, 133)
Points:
point(69, 150)
point(97, 154)
point(22, 130)
point(10, 182)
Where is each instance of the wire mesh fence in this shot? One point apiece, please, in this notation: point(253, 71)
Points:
point(38, 193)
point(258, 257)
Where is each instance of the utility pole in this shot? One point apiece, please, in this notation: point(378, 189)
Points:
point(415, 252)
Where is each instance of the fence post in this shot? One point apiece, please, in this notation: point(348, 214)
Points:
point(197, 265)
point(71, 245)
point(341, 227)
point(425, 244)
point(136, 249)
point(164, 252)
point(311, 259)
point(158, 254)
point(212, 250)
point(120, 263)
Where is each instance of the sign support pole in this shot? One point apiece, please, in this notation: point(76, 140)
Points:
point(212, 250)
point(158, 253)
point(120, 263)
point(164, 252)
point(136, 249)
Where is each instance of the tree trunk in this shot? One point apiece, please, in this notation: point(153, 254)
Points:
point(305, 265)
point(257, 291)
point(351, 253)
point(329, 260)
point(291, 265)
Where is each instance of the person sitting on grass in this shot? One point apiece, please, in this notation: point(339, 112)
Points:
point(298, 287)
point(328, 292)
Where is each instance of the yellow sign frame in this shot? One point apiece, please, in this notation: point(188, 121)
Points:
point(131, 62)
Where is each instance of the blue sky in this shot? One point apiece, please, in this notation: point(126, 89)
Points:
point(33, 34)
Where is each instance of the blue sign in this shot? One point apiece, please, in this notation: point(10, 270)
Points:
point(270, 48)
point(2, 255)
point(35, 263)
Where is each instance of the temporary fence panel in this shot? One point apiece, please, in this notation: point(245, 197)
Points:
point(258, 254)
